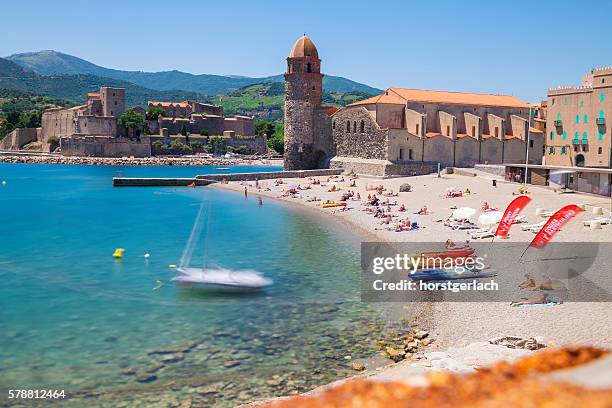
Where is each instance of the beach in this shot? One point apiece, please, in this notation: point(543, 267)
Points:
point(460, 324)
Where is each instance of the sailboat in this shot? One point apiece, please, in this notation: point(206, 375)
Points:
point(214, 278)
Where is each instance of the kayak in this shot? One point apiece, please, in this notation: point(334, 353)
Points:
point(329, 205)
point(451, 274)
point(451, 253)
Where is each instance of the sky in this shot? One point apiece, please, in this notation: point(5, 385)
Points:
point(517, 48)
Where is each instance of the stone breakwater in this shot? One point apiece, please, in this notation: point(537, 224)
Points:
point(130, 161)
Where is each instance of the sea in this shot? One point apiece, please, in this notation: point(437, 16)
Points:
point(117, 332)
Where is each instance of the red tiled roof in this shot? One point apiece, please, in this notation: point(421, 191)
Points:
point(330, 110)
point(400, 96)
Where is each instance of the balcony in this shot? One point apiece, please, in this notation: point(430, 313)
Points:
point(558, 123)
point(601, 121)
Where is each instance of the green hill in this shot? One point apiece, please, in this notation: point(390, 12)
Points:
point(266, 100)
point(74, 87)
point(53, 62)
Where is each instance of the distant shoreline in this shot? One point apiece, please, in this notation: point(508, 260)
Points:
point(7, 157)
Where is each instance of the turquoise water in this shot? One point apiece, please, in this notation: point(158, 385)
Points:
point(74, 318)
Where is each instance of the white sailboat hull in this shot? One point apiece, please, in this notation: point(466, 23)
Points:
point(221, 279)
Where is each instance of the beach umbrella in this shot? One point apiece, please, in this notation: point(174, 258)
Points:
point(463, 213)
point(490, 218)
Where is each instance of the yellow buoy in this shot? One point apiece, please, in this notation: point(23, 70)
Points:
point(118, 252)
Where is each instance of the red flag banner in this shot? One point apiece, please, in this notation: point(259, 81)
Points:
point(512, 211)
point(554, 224)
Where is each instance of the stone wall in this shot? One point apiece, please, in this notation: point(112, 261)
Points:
point(382, 168)
point(495, 169)
point(101, 146)
point(356, 134)
point(19, 138)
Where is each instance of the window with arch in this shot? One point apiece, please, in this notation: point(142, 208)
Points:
point(362, 126)
point(584, 137)
point(354, 126)
point(348, 126)
point(585, 118)
point(309, 67)
point(576, 136)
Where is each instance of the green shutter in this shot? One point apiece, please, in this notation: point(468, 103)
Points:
point(585, 118)
point(577, 118)
point(602, 97)
point(552, 135)
point(564, 135)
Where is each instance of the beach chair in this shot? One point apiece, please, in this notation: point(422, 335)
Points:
point(463, 225)
point(546, 213)
point(489, 233)
point(478, 231)
point(601, 220)
point(531, 227)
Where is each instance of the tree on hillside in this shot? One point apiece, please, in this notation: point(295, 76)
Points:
point(154, 111)
point(276, 141)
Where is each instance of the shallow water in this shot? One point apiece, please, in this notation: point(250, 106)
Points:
point(73, 318)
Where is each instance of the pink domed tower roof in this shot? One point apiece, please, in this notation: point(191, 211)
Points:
point(303, 47)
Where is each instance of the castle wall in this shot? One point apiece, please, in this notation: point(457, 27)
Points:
point(440, 149)
point(491, 150)
point(466, 152)
point(18, 138)
point(100, 146)
point(242, 125)
point(96, 125)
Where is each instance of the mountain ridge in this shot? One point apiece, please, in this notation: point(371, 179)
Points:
point(49, 62)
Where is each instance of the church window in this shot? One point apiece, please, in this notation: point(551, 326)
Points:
point(308, 67)
point(362, 127)
point(334, 124)
point(496, 131)
point(410, 154)
point(401, 154)
point(348, 126)
point(473, 131)
point(553, 101)
point(354, 126)
point(447, 130)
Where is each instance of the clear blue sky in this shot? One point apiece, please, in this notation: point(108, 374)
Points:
point(519, 47)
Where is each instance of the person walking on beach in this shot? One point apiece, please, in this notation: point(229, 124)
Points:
point(259, 201)
point(245, 192)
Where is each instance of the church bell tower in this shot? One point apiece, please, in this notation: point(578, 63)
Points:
point(303, 93)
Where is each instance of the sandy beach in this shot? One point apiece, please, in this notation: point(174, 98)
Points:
point(460, 324)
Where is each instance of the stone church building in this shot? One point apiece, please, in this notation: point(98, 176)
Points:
point(401, 131)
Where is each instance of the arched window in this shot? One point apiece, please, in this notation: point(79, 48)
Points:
point(348, 126)
point(354, 126)
point(576, 136)
point(584, 137)
point(334, 124)
point(308, 67)
point(362, 126)
point(580, 160)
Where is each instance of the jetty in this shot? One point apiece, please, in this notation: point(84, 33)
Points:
point(206, 179)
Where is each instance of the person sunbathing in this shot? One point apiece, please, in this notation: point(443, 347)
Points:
point(332, 188)
point(423, 210)
point(374, 200)
point(450, 244)
point(547, 284)
point(528, 283)
point(386, 220)
point(402, 208)
point(543, 299)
